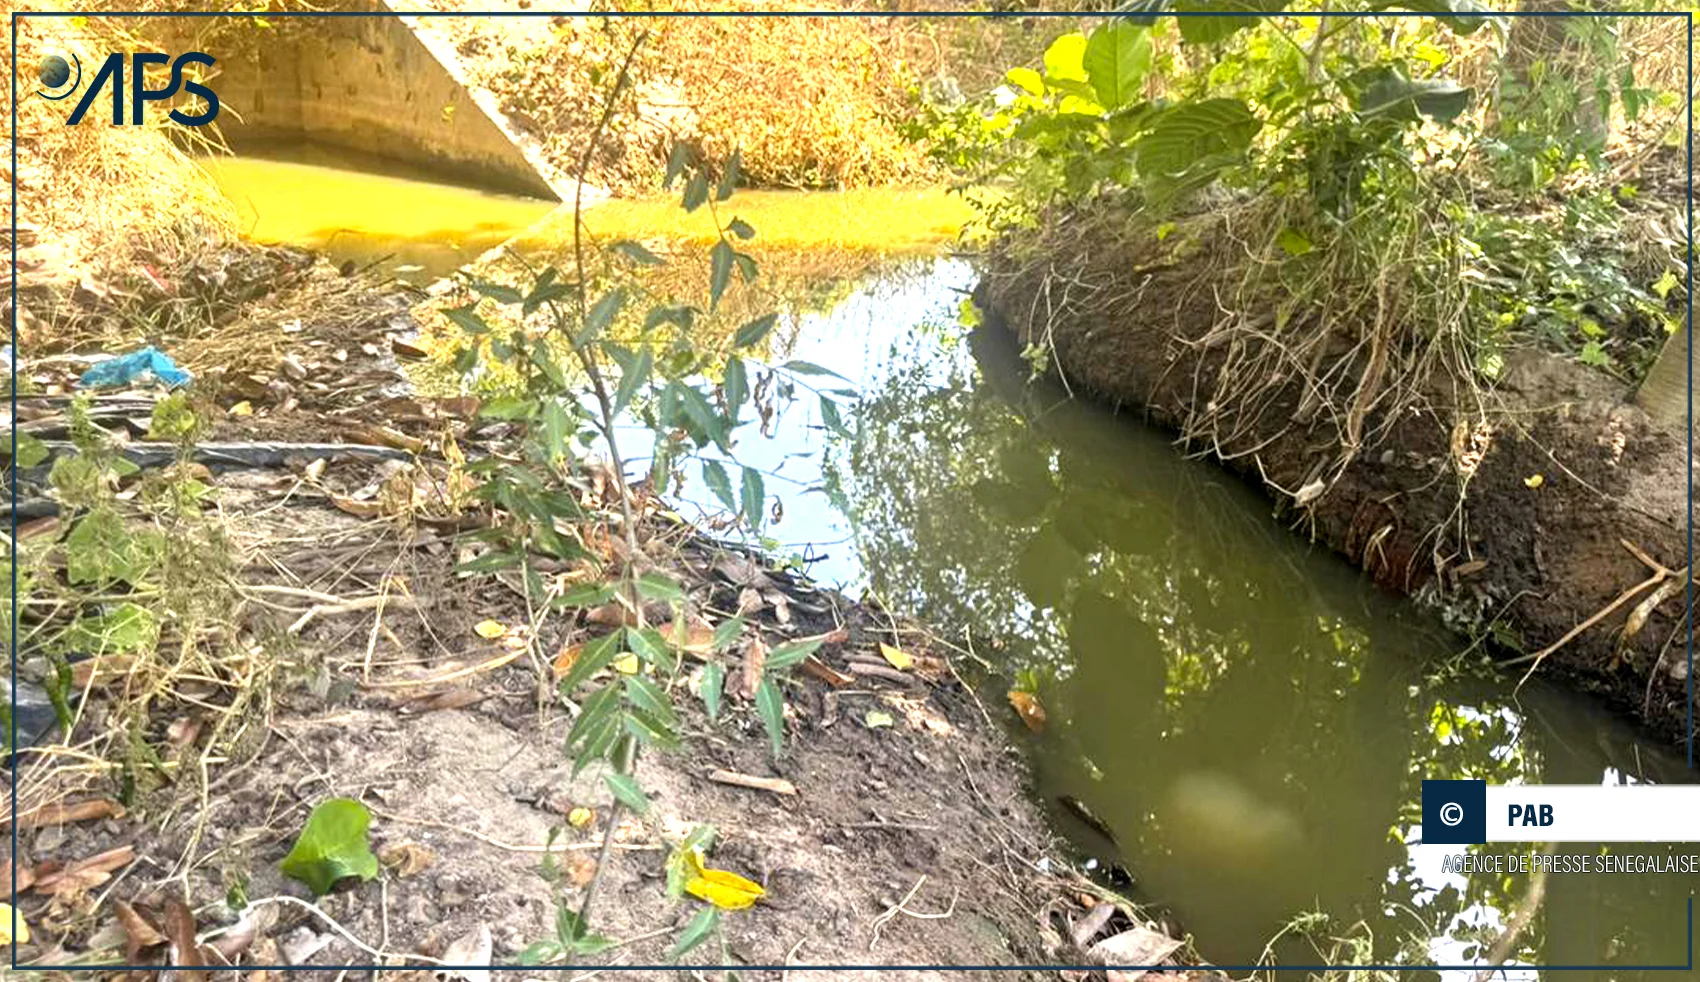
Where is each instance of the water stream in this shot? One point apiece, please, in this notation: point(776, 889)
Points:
point(1248, 719)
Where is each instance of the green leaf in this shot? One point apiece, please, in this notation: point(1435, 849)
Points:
point(829, 416)
point(509, 408)
point(649, 697)
point(586, 595)
point(1064, 59)
point(332, 846)
point(727, 631)
point(633, 378)
point(636, 252)
point(627, 792)
point(696, 932)
point(655, 586)
point(696, 192)
point(746, 266)
point(741, 228)
point(809, 368)
point(789, 654)
point(713, 683)
point(677, 157)
point(499, 292)
point(714, 475)
point(601, 314)
point(753, 496)
point(1462, 16)
point(1117, 57)
point(729, 180)
point(127, 627)
point(1027, 80)
point(720, 271)
point(568, 925)
point(698, 411)
point(754, 331)
point(1220, 26)
point(32, 452)
point(649, 729)
point(648, 644)
point(772, 707)
point(1293, 242)
point(735, 384)
point(592, 658)
point(592, 732)
point(1195, 133)
point(1388, 93)
point(540, 953)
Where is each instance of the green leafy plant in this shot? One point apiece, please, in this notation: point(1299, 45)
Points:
point(593, 351)
point(332, 846)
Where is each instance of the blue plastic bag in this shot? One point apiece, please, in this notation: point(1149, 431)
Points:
point(128, 368)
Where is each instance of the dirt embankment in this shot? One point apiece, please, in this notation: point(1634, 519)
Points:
point(1527, 516)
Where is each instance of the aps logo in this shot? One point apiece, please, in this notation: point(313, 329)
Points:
point(58, 74)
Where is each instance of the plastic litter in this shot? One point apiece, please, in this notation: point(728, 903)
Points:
point(32, 713)
point(138, 364)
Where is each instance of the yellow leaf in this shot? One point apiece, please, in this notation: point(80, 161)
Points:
point(725, 890)
point(900, 660)
point(1028, 707)
point(243, 408)
point(490, 629)
point(1534, 480)
point(626, 664)
point(24, 929)
point(579, 817)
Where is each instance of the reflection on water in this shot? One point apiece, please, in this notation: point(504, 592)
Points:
point(368, 210)
point(1250, 719)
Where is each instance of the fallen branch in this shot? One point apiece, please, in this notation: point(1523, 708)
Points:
point(774, 784)
point(346, 607)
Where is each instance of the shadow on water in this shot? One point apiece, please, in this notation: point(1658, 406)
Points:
point(1249, 720)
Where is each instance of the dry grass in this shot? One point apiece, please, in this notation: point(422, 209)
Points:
point(96, 200)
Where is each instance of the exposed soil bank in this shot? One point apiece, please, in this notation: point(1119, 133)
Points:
point(1445, 506)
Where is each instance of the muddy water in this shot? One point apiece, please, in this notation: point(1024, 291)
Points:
point(1247, 720)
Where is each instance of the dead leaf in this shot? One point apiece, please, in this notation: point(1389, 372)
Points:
point(613, 614)
point(406, 858)
point(79, 811)
point(359, 509)
point(472, 948)
point(243, 408)
point(749, 601)
point(781, 605)
point(826, 673)
point(1027, 706)
point(755, 657)
point(6, 927)
point(490, 630)
point(254, 927)
point(85, 872)
point(723, 889)
point(138, 933)
point(1088, 927)
point(180, 928)
point(565, 657)
point(1136, 946)
point(183, 731)
point(580, 816)
point(896, 657)
point(578, 868)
